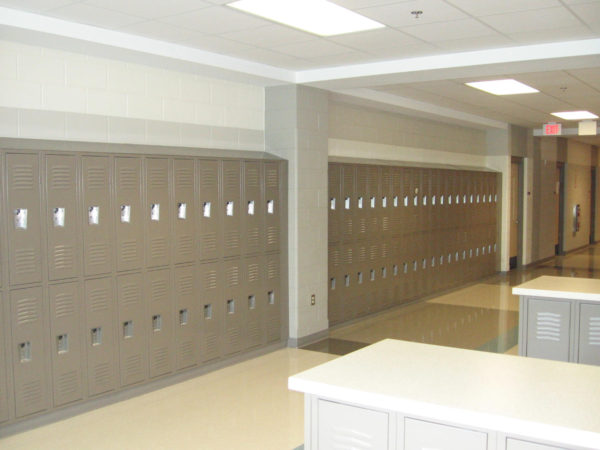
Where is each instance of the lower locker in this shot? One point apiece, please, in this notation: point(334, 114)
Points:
point(29, 351)
point(232, 308)
point(159, 319)
point(272, 294)
point(66, 343)
point(188, 320)
point(334, 299)
point(100, 339)
point(210, 311)
point(250, 298)
point(3, 366)
point(132, 330)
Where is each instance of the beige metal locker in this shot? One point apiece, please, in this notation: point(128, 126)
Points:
point(211, 311)
point(335, 202)
point(373, 208)
point(67, 347)
point(209, 209)
point(272, 289)
point(4, 364)
point(184, 222)
point(398, 213)
point(62, 217)
point(348, 200)
point(24, 240)
point(188, 321)
point(97, 215)
point(272, 173)
point(232, 307)
point(129, 213)
point(159, 317)
point(158, 212)
point(252, 207)
point(29, 361)
point(361, 211)
point(386, 201)
point(230, 209)
point(100, 336)
point(132, 329)
point(250, 300)
point(335, 284)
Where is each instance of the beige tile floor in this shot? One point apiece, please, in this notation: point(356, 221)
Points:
point(248, 406)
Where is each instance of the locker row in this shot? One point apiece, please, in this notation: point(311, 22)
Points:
point(79, 340)
point(71, 215)
point(367, 201)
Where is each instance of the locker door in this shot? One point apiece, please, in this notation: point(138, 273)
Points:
point(231, 209)
point(158, 212)
point(362, 202)
point(133, 356)
point(97, 217)
point(589, 334)
point(348, 200)
point(373, 208)
point(160, 322)
point(100, 336)
point(335, 277)
point(252, 207)
point(272, 205)
point(209, 207)
point(232, 307)
point(62, 217)
point(184, 211)
point(255, 309)
point(386, 201)
point(3, 365)
point(335, 202)
point(24, 241)
point(548, 329)
point(66, 343)
point(188, 320)
point(396, 203)
point(128, 217)
point(29, 352)
point(211, 311)
point(272, 290)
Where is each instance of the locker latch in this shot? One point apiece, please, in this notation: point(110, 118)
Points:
point(271, 297)
point(25, 351)
point(94, 215)
point(96, 336)
point(155, 212)
point(128, 329)
point(156, 322)
point(181, 210)
point(208, 311)
point(183, 317)
point(20, 218)
point(62, 343)
point(251, 302)
point(270, 206)
point(206, 209)
point(332, 203)
point(229, 208)
point(251, 207)
point(231, 306)
point(125, 213)
point(58, 217)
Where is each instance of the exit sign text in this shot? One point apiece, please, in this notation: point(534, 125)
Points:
point(552, 129)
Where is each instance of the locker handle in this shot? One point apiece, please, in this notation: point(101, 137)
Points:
point(250, 207)
point(96, 336)
point(125, 213)
point(395, 201)
point(229, 208)
point(347, 203)
point(206, 209)
point(156, 323)
point(62, 343)
point(58, 217)
point(155, 212)
point(183, 317)
point(181, 210)
point(270, 206)
point(231, 306)
point(128, 329)
point(271, 297)
point(208, 311)
point(252, 301)
point(332, 203)
point(384, 202)
point(25, 352)
point(93, 215)
point(20, 218)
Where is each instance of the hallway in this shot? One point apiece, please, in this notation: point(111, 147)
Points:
point(248, 406)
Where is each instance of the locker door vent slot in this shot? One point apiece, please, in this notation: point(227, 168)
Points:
point(231, 306)
point(183, 316)
point(332, 284)
point(384, 202)
point(206, 209)
point(58, 217)
point(229, 209)
point(332, 203)
point(20, 218)
point(181, 210)
point(125, 213)
point(251, 207)
point(208, 311)
point(252, 301)
point(128, 329)
point(93, 215)
point(155, 212)
point(62, 343)
point(25, 352)
point(271, 297)
point(270, 206)
point(96, 336)
point(156, 322)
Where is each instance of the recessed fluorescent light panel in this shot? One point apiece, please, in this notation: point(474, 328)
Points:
point(315, 16)
point(503, 87)
point(575, 115)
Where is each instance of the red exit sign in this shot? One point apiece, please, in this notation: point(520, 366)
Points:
point(552, 129)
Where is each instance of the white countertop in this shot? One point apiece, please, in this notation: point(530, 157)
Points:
point(538, 398)
point(561, 287)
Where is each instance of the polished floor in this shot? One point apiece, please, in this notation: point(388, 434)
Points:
point(247, 406)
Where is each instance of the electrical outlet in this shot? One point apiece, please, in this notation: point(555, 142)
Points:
point(313, 301)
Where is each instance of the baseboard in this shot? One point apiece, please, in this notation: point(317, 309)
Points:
point(305, 340)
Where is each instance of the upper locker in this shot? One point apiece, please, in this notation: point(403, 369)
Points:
point(335, 194)
point(185, 211)
point(373, 208)
point(97, 236)
point(209, 217)
point(62, 224)
point(348, 219)
point(252, 206)
point(272, 205)
point(362, 207)
point(231, 208)
point(386, 200)
point(128, 193)
point(22, 173)
point(158, 212)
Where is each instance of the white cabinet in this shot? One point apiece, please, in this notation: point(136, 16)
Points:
point(517, 444)
point(423, 435)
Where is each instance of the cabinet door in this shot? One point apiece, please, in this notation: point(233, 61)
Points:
point(128, 193)
point(184, 211)
point(188, 324)
point(158, 212)
point(272, 205)
point(589, 334)
point(209, 277)
point(231, 210)
point(341, 426)
point(252, 208)
point(422, 435)
point(160, 337)
point(548, 329)
point(209, 217)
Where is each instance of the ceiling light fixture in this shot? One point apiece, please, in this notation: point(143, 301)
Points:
point(503, 87)
point(314, 16)
point(575, 115)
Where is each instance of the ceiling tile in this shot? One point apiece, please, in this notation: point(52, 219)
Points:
point(405, 51)
point(376, 39)
point(216, 20)
point(590, 76)
point(35, 5)
point(554, 35)
point(141, 8)
point(216, 44)
point(470, 44)
point(314, 48)
point(488, 7)
point(276, 59)
point(356, 4)
point(343, 59)
point(588, 13)
point(398, 14)
point(456, 29)
point(160, 31)
point(269, 36)
point(526, 21)
point(92, 15)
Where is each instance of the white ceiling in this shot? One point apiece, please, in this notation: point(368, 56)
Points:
point(552, 45)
